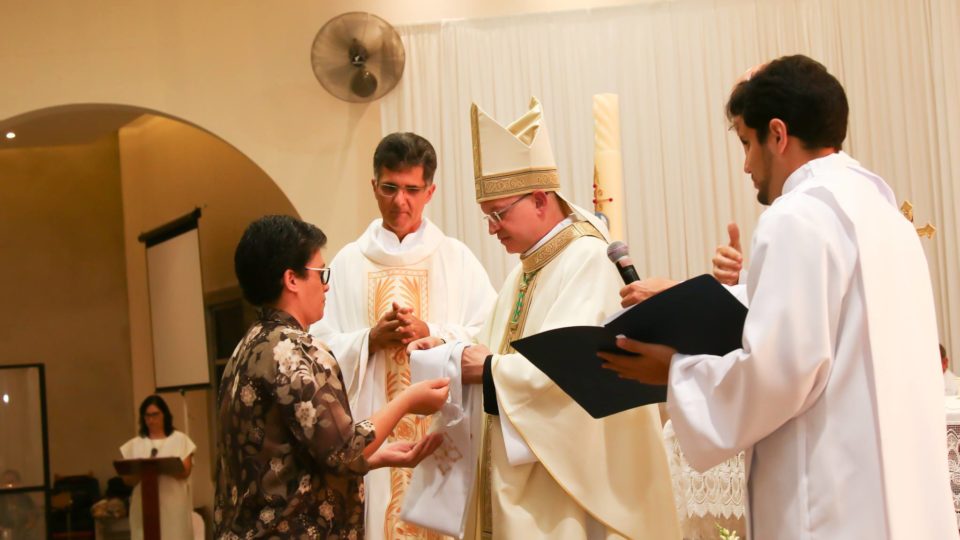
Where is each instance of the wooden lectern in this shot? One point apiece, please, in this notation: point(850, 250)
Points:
point(148, 469)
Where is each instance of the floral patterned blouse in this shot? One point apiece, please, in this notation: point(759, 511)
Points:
point(290, 458)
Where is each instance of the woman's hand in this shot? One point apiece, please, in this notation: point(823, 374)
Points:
point(426, 397)
point(405, 453)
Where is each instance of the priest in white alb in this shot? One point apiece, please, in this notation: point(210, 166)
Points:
point(548, 469)
point(403, 279)
point(835, 394)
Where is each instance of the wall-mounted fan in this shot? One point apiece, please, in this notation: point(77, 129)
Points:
point(357, 56)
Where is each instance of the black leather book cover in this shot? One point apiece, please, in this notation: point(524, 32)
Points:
point(697, 316)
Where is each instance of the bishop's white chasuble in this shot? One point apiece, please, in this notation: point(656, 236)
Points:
point(586, 478)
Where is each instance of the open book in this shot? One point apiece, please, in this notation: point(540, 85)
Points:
point(697, 316)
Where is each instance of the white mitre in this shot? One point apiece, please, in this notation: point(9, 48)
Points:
point(512, 160)
point(518, 159)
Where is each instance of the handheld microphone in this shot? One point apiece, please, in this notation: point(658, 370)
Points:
point(619, 255)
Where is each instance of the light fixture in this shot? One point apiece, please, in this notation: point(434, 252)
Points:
point(11, 135)
point(6, 398)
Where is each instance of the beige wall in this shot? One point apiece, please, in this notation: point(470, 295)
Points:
point(65, 296)
point(168, 169)
point(240, 69)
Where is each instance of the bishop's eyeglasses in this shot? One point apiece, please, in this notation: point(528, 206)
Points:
point(496, 216)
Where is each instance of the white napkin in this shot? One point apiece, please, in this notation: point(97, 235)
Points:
point(439, 491)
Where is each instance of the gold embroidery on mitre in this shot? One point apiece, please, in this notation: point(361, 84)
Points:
point(498, 186)
point(526, 161)
point(408, 288)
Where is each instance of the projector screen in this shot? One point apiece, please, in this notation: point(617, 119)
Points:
point(175, 284)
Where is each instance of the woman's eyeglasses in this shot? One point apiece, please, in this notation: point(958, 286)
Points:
point(324, 273)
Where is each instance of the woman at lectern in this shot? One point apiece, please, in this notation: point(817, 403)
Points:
point(158, 439)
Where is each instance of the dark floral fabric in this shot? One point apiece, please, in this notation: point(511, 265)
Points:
point(290, 458)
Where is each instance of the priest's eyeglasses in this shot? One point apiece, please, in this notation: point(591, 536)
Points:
point(324, 273)
point(389, 190)
point(496, 216)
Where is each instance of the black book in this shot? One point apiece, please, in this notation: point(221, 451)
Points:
point(697, 316)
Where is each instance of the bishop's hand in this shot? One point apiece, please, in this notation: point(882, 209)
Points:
point(471, 363)
point(423, 344)
point(638, 291)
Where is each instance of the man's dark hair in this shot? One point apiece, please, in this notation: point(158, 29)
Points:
point(799, 91)
point(269, 247)
point(167, 417)
point(943, 352)
point(399, 151)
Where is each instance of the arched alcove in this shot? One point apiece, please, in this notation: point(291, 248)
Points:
point(79, 184)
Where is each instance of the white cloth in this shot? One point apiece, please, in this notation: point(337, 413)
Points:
point(435, 274)
point(834, 395)
point(950, 383)
point(709, 498)
point(517, 450)
point(176, 502)
point(439, 493)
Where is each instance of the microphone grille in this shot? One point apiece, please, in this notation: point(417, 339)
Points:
point(617, 250)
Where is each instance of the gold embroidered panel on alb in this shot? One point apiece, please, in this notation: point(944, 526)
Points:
point(408, 287)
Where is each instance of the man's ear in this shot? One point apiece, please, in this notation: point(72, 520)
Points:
point(778, 133)
point(539, 199)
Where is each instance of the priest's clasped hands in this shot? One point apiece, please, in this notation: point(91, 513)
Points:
point(648, 363)
point(399, 326)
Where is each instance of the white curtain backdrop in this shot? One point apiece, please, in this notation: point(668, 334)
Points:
point(673, 65)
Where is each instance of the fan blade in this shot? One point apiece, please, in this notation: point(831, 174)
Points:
point(329, 56)
point(363, 83)
point(389, 65)
point(335, 35)
point(373, 35)
point(336, 76)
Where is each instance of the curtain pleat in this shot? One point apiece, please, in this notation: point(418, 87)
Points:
point(673, 65)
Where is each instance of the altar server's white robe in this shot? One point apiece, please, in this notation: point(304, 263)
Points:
point(613, 470)
point(447, 288)
point(835, 394)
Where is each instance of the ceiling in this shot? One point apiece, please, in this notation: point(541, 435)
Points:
point(69, 125)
